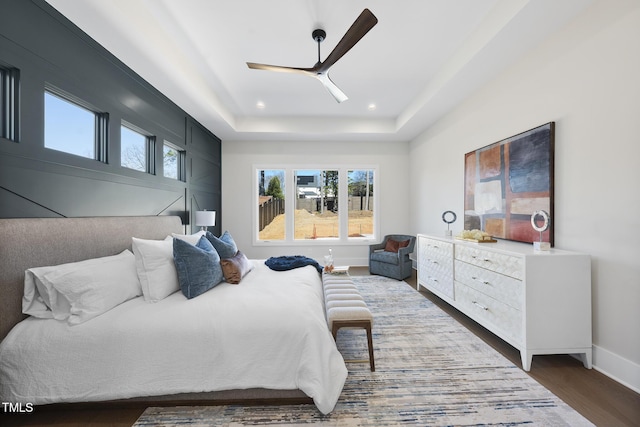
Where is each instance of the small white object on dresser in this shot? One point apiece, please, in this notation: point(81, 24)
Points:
point(537, 301)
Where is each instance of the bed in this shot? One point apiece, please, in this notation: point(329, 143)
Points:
point(264, 338)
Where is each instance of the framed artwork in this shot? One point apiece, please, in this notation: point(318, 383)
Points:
point(507, 181)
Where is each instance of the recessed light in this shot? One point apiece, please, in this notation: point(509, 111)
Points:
point(371, 107)
point(260, 105)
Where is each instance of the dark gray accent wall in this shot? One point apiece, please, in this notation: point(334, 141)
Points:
point(39, 182)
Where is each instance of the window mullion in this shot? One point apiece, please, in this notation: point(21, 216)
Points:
point(102, 137)
point(343, 203)
point(10, 103)
point(289, 204)
point(151, 155)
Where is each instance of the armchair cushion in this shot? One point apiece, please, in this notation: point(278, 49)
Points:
point(386, 257)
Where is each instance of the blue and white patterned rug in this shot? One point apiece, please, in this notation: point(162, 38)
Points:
point(430, 371)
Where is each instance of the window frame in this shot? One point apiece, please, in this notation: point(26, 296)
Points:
point(181, 161)
point(100, 126)
point(150, 148)
point(290, 195)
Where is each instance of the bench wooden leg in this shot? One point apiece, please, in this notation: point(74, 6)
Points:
point(370, 345)
point(357, 324)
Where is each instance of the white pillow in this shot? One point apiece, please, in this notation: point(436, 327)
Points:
point(42, 300)
point(190, 238)
point(95, 286)
point(156, 269)
point(79, 291)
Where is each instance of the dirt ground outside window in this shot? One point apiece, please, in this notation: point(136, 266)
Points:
point(315, 225)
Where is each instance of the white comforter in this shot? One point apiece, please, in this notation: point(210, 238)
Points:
point(268, 331)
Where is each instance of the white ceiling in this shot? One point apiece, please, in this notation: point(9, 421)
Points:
point(421, 59)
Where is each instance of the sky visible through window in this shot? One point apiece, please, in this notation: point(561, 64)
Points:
point(68, 127)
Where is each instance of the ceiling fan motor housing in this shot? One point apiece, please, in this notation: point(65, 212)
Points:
point(319, 35)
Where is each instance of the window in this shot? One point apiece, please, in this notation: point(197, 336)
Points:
point(321, 205)
point(173, 160)
point(316, 215)
point(361, 208)
point(136, 149)
point(73, 128)
point(9, 103)
point(271, 199)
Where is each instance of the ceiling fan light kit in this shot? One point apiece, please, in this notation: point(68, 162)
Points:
point(365, 22)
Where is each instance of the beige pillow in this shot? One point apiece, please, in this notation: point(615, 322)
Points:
point(236, 267)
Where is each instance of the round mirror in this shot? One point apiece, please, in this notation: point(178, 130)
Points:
point(449, 217)
point(540, 221)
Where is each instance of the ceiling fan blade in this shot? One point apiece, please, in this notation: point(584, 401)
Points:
point(281, 69)
point(331, 87)
point(365, 22)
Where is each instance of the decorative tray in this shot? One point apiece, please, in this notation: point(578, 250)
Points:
point(488, 240)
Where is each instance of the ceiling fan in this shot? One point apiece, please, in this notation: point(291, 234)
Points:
point(361, 26)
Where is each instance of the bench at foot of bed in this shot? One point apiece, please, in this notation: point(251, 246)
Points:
point(346, 308)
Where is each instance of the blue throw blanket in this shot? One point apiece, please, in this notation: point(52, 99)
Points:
point(283, 263)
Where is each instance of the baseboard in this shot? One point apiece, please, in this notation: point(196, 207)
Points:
point(617, 368)
point(353, 262)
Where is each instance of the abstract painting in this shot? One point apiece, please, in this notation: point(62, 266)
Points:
point(507, 181)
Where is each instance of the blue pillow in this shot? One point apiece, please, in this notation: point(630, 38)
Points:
point(225, 245)
point(198, 266)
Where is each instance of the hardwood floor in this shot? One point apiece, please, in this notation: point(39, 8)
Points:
point(603, 401)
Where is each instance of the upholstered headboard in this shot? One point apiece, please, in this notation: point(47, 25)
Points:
point(36, 242)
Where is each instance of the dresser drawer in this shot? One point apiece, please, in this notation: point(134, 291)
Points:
point(442, 284)
point(503, 288)
point(495, 261)
point(437, 249)
point(435, 265)
point(500, 318)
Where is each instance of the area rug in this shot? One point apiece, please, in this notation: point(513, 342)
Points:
point(430, 371)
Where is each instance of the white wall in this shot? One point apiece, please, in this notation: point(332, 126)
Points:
point(586, 78)
point(239, 158)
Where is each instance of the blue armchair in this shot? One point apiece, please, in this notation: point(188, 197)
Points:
point(396, 265)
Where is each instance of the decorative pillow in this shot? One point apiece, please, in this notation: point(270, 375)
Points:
point(156, 269)
point(225, 245)
point(394, 246)
point(79, 291)
point(198, 266)
point(236, 267)
point(191, 238)
point(95, 286)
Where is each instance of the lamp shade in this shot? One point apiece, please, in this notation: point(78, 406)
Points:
point(205, 218)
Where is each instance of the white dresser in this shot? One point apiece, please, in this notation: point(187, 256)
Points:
point(539, 302)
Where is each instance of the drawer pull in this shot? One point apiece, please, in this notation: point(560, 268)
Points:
point(484, 282)
point(480, 305)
